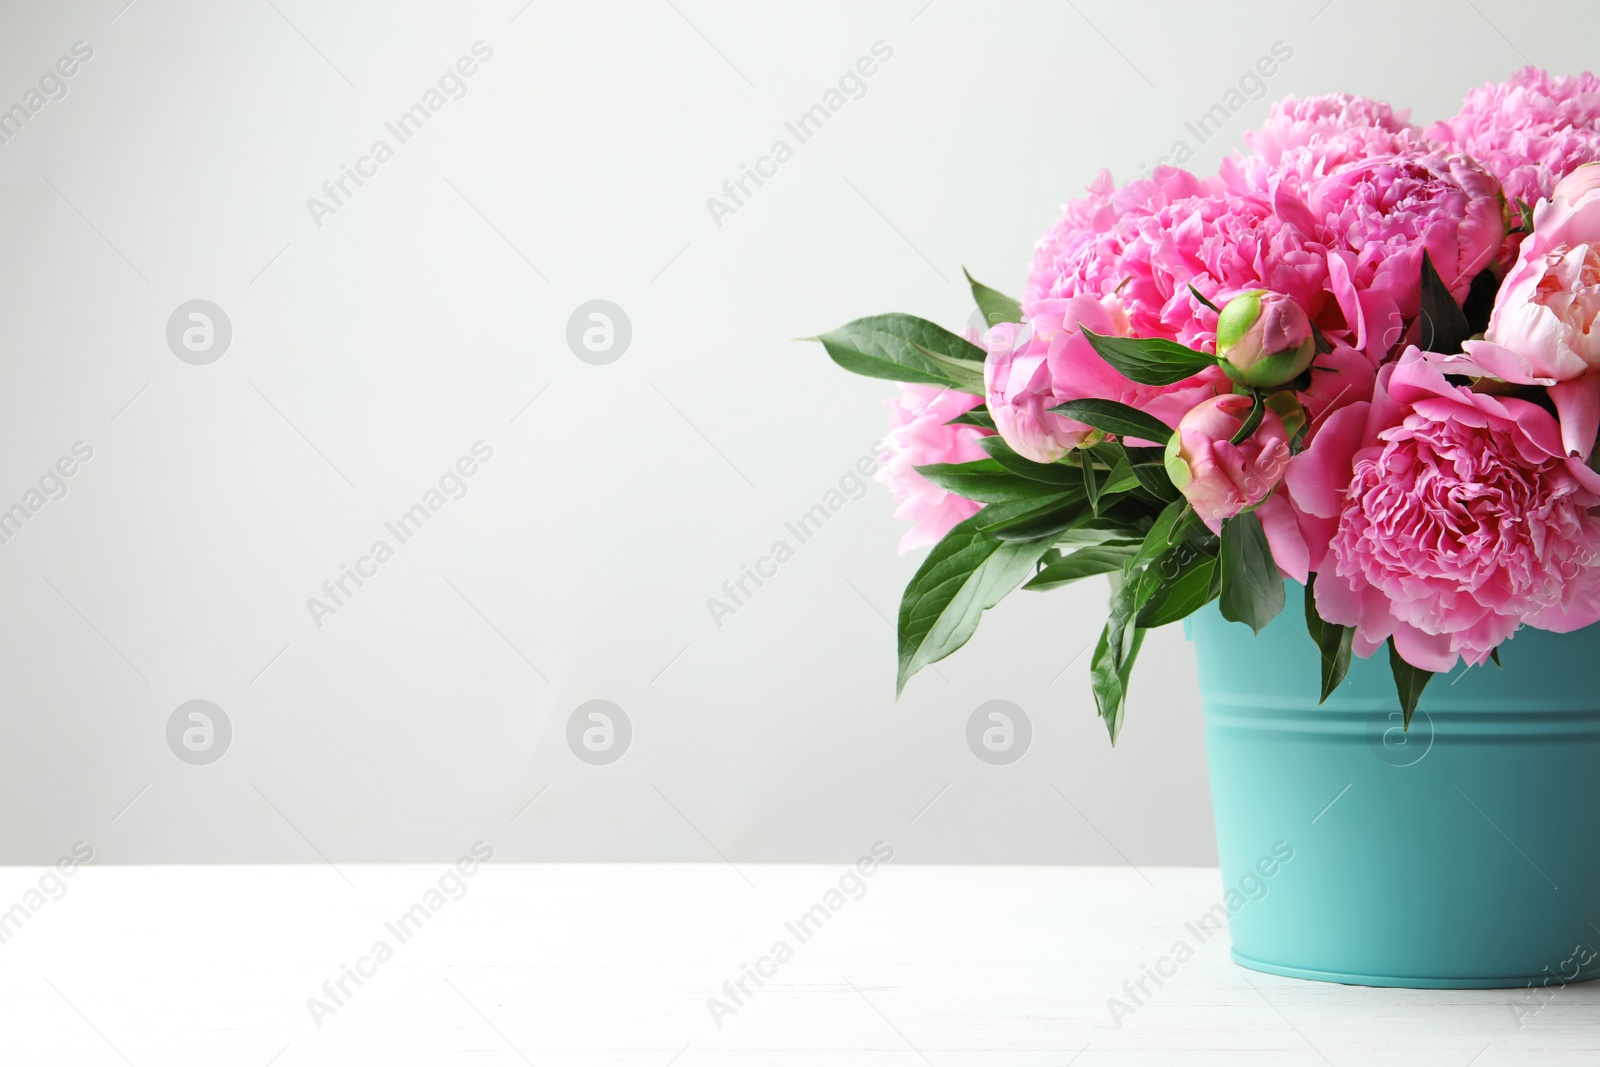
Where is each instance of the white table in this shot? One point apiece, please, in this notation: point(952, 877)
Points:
point(615, 964)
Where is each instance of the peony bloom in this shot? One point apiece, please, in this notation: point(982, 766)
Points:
point(1376, 219)
point(1219, 478)
point(1145, 243)
point(1529, 131)
point(920, 435)
point(1264, 339)
point(1303, 141)
point(1446, 518)
point(1545, 329)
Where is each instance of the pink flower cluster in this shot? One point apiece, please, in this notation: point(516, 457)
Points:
point(1443, 499)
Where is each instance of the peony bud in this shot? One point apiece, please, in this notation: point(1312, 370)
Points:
point(1219, 478)
point(1264, 339)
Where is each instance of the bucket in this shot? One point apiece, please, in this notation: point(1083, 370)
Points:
point(1463, 853)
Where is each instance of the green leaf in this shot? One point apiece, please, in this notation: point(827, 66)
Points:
point(1525, 215)
point(1479, 304)
point(1170, 528)
point(996, 306)
point(1177, 585)
point(961, 373)
point(1494, 654)
point(1332, 641)
point(1409, 681)
point(1091, 485)
point(965, 574)
point(1153, 478)
point(1120, 478)
point(978, 416)
point(1114, 418)
point(1085, 562)
point(1443, 323)
point(1113, 658)
point(1055, 473)
point(1198, 295)
point(1053, 517)
point(1252, 586)
point(1150, 360)
point(1320, 342)
point(1258, 411)
point(896, 346)
point(988, 482)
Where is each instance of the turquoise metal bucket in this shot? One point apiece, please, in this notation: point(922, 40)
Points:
point(1464, 853)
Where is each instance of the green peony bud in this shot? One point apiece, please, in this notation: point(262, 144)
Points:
point(1264, 339)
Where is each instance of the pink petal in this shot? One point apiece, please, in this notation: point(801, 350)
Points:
point(1289, 549)
point(1578, 404)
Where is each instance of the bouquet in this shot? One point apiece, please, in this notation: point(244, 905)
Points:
point(1365, 357)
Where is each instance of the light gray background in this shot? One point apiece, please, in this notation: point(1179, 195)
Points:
point(369, 353)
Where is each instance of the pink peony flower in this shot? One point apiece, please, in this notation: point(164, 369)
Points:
point(1219, 478)
point(1446, 518)
point(1303, 141)
point(920, 435)
point(1146, 242)
point(1545, 329)
point(1529, 131)
point(1376, 218)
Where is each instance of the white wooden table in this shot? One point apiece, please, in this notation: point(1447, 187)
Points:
point(615, 965)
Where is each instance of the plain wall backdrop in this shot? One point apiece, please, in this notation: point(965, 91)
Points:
point(377, 339)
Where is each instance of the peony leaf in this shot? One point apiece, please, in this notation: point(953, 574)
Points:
point(1153, 479)
point(1149, 360)
point(1178, 584)
point(965, 574)
point(1258, 411)
point(1409, 680)
point(963, 374)
point(1094, 559)
point(1113, 658)
point(1198, 295)
point(1332, 641)
point(896, 347)
point(996, 306)
point(1054, 473)
point(988, 482)
point(1117, 419)
point(1479, 305)
point(1444, 324)
point(978, 416)
point(1252, 586)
